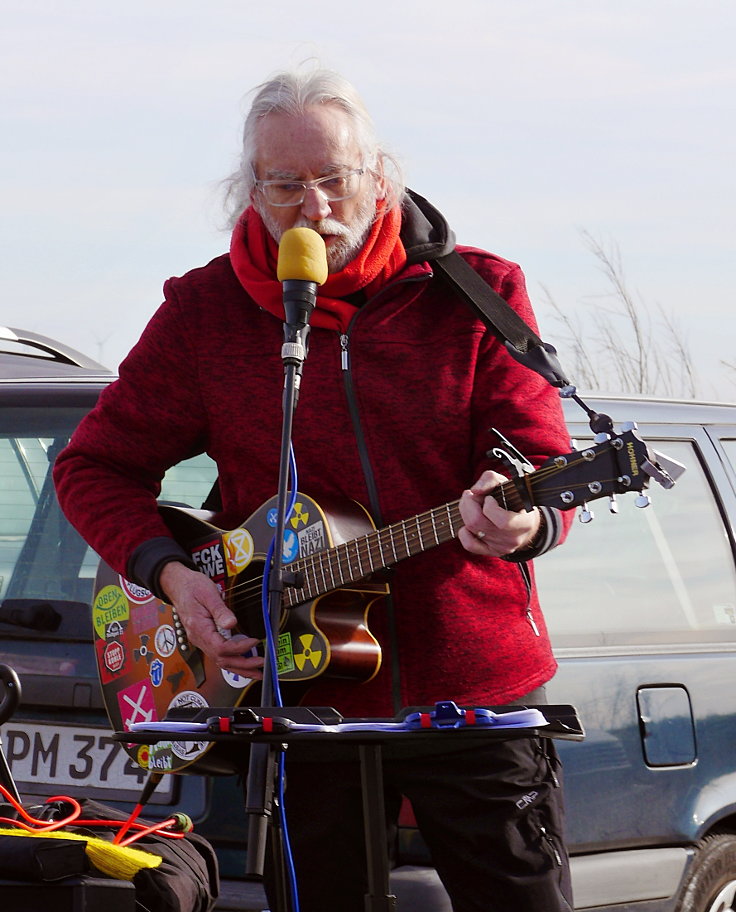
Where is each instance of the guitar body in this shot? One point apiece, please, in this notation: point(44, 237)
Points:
point(148, 668)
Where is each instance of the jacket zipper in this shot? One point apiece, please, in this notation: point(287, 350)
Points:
point(532, 622)
point(524, 571)
point(370, 480)
point(344, 352)
point(345, 337)
point(551, 844)
point(358, 427)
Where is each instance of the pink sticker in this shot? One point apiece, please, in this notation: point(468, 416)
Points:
point(137, 704)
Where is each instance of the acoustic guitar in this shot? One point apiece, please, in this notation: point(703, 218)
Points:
point(333, 553)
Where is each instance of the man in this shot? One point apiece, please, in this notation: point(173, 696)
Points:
point(399, 391)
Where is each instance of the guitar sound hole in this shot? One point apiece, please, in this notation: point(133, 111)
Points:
point(245, 600)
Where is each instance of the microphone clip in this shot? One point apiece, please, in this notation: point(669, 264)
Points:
point(300, 297)
point(295, 351)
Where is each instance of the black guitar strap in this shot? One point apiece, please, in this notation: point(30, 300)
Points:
point(521, 342)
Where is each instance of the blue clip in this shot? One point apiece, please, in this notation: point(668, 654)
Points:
point(447, 714)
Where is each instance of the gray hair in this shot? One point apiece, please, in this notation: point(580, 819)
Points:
point(293, 93)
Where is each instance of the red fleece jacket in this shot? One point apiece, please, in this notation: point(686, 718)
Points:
point(428, 382)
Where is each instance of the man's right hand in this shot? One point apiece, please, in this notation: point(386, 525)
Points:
point(208, 621)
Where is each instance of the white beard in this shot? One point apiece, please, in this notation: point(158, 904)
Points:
point(347, 240)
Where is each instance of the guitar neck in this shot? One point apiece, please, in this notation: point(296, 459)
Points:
point(355, 560)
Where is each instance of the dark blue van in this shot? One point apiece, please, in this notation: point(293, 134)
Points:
point(641, 605)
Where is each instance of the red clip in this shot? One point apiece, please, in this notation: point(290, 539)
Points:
point(267, 724)
point(425, 720)
point(470, 717)
point(224, 724)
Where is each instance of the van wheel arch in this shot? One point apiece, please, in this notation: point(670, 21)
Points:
point(711, 882)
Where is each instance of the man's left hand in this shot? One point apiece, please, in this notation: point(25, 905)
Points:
point(489, 529)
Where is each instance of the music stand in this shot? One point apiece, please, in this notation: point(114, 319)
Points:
point(275, 726)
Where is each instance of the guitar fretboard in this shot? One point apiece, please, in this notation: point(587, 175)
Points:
point(355, 560)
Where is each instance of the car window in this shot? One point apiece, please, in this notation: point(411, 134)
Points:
point(729, 447)
point(662, 574)
point(189, 482)
point(41, 555)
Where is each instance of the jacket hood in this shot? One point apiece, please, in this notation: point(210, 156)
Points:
point(424, 230)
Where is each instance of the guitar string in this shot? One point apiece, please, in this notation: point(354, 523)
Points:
point(339, 556)
point(367, 547)
point(423, 523)
point(248, 594)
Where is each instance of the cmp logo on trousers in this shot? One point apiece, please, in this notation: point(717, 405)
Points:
point(526, 800)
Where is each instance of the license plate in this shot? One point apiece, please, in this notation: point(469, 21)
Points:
point(79, 761)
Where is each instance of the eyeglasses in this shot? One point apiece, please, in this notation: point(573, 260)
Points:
point(334, 187)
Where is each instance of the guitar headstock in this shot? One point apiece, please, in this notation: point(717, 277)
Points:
point(618, 464)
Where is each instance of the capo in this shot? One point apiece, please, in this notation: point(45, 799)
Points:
point(510, 457)
point(517, 465)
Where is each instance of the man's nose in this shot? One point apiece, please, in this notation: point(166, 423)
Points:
point(315, 206)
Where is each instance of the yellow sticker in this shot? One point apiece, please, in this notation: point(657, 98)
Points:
point(142, 756)
point(110, 605)
point(239, 550)
point(313, 656)
point(299, 515)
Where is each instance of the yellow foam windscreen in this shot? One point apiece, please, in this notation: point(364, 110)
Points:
point(302, 255)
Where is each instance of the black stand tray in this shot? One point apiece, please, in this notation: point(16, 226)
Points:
point(283, 725)
point(276, 724)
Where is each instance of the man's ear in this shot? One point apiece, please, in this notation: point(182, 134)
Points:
point(380, 178)
point(253, 189)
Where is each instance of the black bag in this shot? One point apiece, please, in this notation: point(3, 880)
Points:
point(38, 859)
point(187, 880)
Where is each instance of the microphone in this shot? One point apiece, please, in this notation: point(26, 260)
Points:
point(301, 267)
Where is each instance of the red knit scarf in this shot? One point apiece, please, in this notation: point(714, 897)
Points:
point(254, 253)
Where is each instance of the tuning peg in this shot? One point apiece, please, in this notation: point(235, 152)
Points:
point(585, 515)
point(643, 500)
point(612, 503)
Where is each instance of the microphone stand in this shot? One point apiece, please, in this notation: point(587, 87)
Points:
point(299, 301)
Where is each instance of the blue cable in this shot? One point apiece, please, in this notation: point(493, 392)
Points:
point(270, 644)
point(278, 701)
point(288, 856)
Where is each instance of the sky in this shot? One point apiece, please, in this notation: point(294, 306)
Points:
point(528, 124)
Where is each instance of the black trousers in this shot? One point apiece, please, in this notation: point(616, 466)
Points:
point(492, 816)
